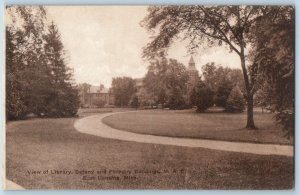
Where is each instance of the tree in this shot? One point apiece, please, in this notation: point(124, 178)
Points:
point(134, 102)
point(166, 80)
point(62, 94)
point(145, 98)
point(235, 101)
point(123, 89)
point(212, 24)
point(202, 97)
point(261, 99)
point(222, 93)
point(25, 67)
point(176, 99)
point(38, 78)
point(274, 57)
point(85, 89)
point(15, 100)
point(221, 80)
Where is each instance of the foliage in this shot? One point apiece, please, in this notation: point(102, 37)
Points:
point(235, 101)
point(215, 25)
point(64, 97)
point(222, 93)
point(176, 100)
point(84, 89)
point(202, 97)
point(166, 82)
point(134, 102)
point(221, 80)
point(15, 100)
point(261, 98)
point(273, 55)
point(38, 80)
point(145, 98)
point(123, 89)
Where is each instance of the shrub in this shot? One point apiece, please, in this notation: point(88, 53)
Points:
point(15, 107)
point(202, 97)
point(235, 101)
point(65, 103)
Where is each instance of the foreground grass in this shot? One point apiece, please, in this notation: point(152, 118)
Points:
point(54, 144)
point(187, 123)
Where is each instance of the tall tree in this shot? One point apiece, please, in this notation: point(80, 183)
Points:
point(221, 80)
point(235, 101)
point(123, 89)
point(26, 66)
point(37, 74)
point(15, 99)
point(62, 99)
point(202, 96)
point(166, 80)
point(229, 25)
point(222, 93)
point(274, 57)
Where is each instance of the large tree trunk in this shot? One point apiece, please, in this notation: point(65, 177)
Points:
point(249, 95)
point(250, 120)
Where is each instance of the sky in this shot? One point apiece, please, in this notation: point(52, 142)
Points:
point(103, 42)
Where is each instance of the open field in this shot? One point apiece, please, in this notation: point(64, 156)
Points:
point(54, 144)
point(188, 123)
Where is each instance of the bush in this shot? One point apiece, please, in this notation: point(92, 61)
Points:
point(235, 102)
point(63, 103)
point(15, 107)
point(202, 97)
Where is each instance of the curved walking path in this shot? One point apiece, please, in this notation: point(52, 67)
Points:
point(93, 125)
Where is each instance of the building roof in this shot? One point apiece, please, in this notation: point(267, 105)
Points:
point(96, 89)
point(191, 61)
point(192, 67)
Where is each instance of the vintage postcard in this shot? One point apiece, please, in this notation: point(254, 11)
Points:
point(149, 97)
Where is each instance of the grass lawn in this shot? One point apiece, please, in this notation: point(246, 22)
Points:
point(54, 144)
point(188, 123)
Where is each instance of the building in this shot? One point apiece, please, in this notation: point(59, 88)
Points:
point(193, 76)
point(99, 96)
point(193, 79)
point(95, 96)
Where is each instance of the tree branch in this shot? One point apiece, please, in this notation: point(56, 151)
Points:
point(225, 39)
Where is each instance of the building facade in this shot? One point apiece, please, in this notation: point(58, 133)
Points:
point(193, 76)
point(96, 96)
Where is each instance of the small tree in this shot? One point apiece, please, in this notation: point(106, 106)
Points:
point(222, 93)
point(235, 101)
point(202, 97)
point(166, 82)
point(123, 88)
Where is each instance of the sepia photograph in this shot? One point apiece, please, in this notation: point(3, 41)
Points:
point(149, 97)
